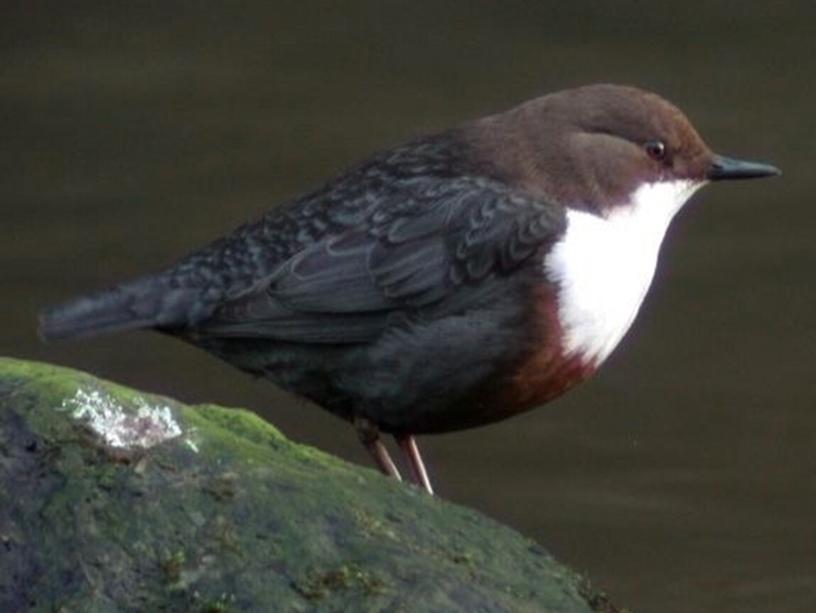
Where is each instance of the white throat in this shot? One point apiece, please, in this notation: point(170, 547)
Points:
point(604, 266)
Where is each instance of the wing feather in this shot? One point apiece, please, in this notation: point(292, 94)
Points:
point(442, 250)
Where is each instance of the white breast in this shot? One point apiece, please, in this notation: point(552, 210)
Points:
point(604, 266)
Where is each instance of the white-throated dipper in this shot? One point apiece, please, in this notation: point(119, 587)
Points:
point(449, 282)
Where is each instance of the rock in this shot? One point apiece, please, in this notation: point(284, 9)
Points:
point(114, 500)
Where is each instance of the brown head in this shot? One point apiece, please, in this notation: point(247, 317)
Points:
point(592, 147)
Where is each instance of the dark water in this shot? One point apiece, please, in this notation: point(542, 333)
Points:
point(682, 477)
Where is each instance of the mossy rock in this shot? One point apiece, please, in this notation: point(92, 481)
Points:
point(114, 500)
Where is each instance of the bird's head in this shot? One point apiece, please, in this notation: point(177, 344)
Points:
point(603, 148)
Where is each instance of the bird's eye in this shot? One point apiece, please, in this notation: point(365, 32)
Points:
point(656, 149)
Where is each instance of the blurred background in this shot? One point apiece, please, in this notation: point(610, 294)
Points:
point(682, 477)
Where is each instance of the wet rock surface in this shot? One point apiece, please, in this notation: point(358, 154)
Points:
point(114, 500)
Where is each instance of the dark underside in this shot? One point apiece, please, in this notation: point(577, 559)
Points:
point(429, 374)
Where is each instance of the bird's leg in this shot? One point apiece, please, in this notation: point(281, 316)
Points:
point(370, 437)
point(409, 447)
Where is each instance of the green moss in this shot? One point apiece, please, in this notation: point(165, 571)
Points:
point(215, 510)
point(318, 585)
point(221, 605)
point(172, 566)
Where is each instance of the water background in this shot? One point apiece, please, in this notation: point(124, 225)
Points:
point(682, 477)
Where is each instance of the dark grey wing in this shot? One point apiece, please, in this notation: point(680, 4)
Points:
point(442, 250)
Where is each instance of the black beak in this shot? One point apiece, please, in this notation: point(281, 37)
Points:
point(723, 168)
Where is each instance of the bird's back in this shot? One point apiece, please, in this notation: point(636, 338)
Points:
point(186, 293)
point(404, 278)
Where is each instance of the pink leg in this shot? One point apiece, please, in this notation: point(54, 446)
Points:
point(409, 447)
point(370, 437)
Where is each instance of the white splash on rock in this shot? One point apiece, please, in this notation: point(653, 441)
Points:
point(144, 426)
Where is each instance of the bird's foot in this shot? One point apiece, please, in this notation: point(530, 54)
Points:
point(410, 450)
point(370, 437)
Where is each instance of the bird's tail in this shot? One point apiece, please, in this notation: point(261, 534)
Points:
point(144, 303)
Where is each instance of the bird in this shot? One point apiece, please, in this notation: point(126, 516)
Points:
point(449, 282)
